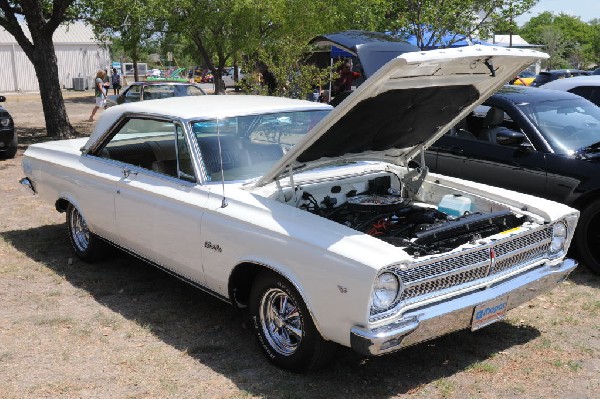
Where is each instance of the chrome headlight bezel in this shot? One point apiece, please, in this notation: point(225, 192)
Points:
point(559, 240)
point(386, 289)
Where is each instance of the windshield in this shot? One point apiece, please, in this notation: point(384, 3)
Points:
point(567, 124)
point(248, 146)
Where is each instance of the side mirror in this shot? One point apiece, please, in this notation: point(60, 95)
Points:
point(2, 99)
point(509, 137)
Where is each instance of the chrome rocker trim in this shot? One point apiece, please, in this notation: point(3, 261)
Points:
point(455, 314)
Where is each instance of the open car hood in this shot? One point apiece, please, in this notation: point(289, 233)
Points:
point(405, 107)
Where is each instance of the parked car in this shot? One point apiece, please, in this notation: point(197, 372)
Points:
point(585, 86)
point(8, 134)
point(524, 78)
point(548, 76)
point(313, 219)
point(228, 76)
point(541, 142)
point(139, 91)
point(596, 71)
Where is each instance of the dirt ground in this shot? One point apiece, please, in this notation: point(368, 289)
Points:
point(122, 329)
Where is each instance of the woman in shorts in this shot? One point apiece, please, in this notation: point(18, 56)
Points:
point(99, 92)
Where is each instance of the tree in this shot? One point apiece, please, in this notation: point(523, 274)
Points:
point(42, 17)
point(435, 23)
point(133, 24)
point(569, 41)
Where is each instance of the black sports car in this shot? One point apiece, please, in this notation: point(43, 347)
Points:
point(8, 134)
point(540, 142)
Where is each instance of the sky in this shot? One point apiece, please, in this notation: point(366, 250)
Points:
point(585, 9)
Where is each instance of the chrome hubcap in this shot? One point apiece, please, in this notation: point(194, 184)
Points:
point(79, 231)
point(280, 321)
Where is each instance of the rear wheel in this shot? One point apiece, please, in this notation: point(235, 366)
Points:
point(587, 236)
point(86, 245)
point(284, 327)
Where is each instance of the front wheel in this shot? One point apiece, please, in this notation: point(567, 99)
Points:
point(86, 245)
point(587, 236)
point(284, 327)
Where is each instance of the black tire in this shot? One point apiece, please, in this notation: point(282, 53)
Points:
point(86, 245)
point(587, 236)
point(285, 330)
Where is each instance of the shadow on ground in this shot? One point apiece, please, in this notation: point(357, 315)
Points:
point(212, 332)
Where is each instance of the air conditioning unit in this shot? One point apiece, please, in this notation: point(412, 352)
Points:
point(79, 84)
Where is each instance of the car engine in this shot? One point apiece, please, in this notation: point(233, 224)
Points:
point(419, 228)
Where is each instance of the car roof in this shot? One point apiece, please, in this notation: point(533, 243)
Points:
point(576, 81)
point(526, 94)
point(202, 107)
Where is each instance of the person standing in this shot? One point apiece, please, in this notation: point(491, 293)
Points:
point(116, 81)
point(100, 93)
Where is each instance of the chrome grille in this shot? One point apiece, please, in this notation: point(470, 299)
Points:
point(443, 266)
point(439, 275)
point(535, 238)
point(445, 282)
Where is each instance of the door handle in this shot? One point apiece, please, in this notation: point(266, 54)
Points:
point(127, 172)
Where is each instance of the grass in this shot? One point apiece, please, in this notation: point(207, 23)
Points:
point(445, 387)
point(483, 367)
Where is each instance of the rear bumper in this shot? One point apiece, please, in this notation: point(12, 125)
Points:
point(455, 314)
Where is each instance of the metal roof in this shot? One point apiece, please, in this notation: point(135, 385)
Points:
point(74, 33)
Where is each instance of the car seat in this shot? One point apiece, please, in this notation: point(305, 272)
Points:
point(491, 123)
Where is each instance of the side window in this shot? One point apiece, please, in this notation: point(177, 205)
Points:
point(462, 130)
point(587, 92)
point(134, 93)
point(155, 92)
point(155, 145)
point(498, 127)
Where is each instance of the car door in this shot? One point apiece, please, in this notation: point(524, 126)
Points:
point(158, 204)
point(471, 154)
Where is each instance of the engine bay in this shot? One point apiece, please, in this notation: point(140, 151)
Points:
point(420, 228)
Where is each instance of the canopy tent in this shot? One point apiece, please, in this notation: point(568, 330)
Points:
point(373, 49)
point(449, 40)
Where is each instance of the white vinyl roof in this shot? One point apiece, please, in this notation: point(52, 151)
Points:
point(203, 107)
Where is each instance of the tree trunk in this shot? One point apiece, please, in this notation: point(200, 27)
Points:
point(46, 69)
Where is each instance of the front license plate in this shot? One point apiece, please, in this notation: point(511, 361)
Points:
point(489, 312)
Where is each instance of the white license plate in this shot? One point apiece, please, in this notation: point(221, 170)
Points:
point(489, 312)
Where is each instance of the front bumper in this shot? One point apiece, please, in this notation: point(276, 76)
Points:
point(441, 318)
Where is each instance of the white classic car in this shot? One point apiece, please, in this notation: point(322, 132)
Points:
point(313, 218)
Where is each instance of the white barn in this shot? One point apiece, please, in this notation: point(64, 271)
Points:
point(79, 55)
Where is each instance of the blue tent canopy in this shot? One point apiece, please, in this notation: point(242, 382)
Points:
point(459, 41)
point(339, 53)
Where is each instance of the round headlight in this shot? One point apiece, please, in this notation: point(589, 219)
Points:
point(559, 237)
point(385, 290)
point(5, 122)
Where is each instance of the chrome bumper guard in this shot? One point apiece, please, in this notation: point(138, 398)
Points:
point(455, 314)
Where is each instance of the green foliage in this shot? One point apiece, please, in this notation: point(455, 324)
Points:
point(569, 41)
point(429, 20)
point(132, 24)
